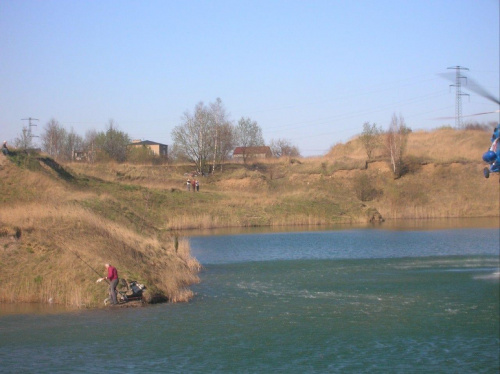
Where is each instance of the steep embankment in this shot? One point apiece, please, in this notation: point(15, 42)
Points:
point(57, 228)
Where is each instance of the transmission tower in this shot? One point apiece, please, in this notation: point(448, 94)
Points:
point(459, 94)
point(30, 125)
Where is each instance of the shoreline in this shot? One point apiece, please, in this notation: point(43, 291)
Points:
point(19, 308)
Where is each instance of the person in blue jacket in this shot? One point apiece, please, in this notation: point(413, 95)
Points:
point(492, 156)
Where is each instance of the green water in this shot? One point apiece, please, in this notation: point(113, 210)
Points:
point(360, 300)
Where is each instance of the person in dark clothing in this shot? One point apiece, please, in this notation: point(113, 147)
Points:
point(113, 282)
point(5, 150)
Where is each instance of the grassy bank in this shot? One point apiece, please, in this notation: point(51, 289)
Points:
point(55, 228)
point(443, 179)
point(55, 219)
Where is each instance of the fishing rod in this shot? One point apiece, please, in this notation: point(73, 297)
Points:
point(85, 262)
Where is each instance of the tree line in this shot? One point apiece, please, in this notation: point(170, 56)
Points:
point(207, 136)
point(64, 145)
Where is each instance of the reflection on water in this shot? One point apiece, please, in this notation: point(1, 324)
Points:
point(32, 308)
point(421, 224)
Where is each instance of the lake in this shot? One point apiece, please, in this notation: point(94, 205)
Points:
point(355, 299)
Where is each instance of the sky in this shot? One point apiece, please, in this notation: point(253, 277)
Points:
point(312, 72)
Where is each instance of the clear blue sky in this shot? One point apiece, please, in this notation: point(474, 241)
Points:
point(309, 71)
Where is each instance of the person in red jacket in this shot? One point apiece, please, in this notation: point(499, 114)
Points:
point(113, 282)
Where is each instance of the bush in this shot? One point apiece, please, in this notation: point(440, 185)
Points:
point(363, 187)
point(472, 126)
point(140, 155)
point(411, 165)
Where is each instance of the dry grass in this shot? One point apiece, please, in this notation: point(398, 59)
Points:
point(51, 245)
point(443, 145)
point(59, 246)
point(440, 190)
point(195, 221)
point(449, 145)
point(131, 215)
point(445, 164)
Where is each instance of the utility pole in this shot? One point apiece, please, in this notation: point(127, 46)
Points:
point(459, 94)
point(27, 134)
point(30, 125)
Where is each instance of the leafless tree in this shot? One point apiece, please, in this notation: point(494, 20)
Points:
point(24, 140)
point(283, 148)
point(193, 136)
point(72, 143)
point(222, 131)
point(396, 140)
point(90, 146)
point(204, 136)
point(226, 142)
point(248, 134)
point(53, 138)
point(370, 138)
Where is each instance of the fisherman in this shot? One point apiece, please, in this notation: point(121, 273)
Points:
point(5, 150)
point(113, 282)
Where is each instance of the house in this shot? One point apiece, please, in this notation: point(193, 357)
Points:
point(80, 156)
point(244, 153)
point(158, 149)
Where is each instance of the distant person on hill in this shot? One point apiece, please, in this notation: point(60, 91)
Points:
point(188, 184)
point(193, 184)
point(197, 186)
point(5, 150)
point(113, 282)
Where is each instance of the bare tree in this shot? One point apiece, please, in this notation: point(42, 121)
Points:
point(24, 140)
point(226, 142)
point(54, 139)
point(73, 142)
point(204, 136)
point(248, 134)
point(58, 143)
point(370, 138)
point(193, 136)
point(222, 131)
point(396, 140)
point(90, 146)
point(283, 148)
point(177, 154)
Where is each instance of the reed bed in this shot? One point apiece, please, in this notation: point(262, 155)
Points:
point(60, 245)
